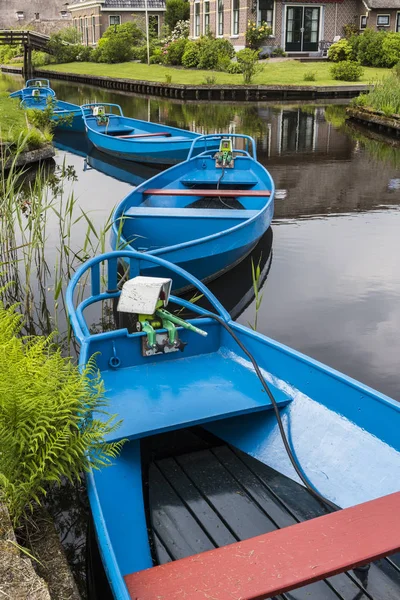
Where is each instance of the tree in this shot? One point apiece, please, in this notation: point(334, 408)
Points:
point(176, 10)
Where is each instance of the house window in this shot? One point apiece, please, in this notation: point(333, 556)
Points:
point(115, 20)
point(64, 14)
point(86, 31)
point(154, 25)
point(37, 16)
point(206, 17)
point(363, 21)
point(265, 12)
point(383, 20)
point(235, 17)
point(93, 29)
point(197, 19)
point(19, 14)
point(81, 27)
point(220, 17)
point(398, 22)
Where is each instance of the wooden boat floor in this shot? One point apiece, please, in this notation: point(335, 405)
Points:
point(203, 494)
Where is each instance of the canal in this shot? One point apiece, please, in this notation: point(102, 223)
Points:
point(330, 265)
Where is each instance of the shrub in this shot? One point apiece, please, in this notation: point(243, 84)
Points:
point(191, 56)
point(181, 29)
point(340, 51)
point(176, 10)
point(68, 53)
point(157, 57)
point(234, 68)
point(309, 76)
point(70, 35)
point(396, 70)
point(248, 62)
point(350, 29)
point(212, 51)
point(175, 51)
point(114, 50)
point(346, 70)
point(223, 63)
point(278, 51)
point(391, 49)
point(40, 58)
point(257, 34)
point(370, 48)
point(355, 44)
point(8, 53)
point(210, 80)
point(129, 31)
point(47, 431)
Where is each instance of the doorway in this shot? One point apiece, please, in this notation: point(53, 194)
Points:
point(302, 28)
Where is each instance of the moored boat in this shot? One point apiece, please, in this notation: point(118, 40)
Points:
point(239, 451)
point(132, 139)
point(215, 204)
point(38, 94)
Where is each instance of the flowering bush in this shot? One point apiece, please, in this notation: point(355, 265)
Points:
point(257, 34)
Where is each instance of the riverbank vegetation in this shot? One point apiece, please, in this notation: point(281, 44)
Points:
point(384, 97)
point(15, 128)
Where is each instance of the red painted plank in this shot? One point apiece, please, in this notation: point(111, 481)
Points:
point(280, 561)
point(200, 192)
point(142, 135)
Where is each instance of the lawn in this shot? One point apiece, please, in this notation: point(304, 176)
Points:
point(12, 118)
point(275, 73)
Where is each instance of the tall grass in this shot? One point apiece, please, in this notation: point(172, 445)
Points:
point(385, 96)
point(44, 237)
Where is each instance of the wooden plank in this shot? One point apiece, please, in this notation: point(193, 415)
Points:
point(223, 193)
point(142, 135)
point(277, 562)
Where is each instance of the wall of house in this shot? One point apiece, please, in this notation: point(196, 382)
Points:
point(372, 18)
point(334, 20)
point(49, 13)
point(244, 15)
point(102, 20)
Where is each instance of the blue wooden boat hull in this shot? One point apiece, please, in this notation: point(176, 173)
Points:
point(343, 433)
point(164, 226)
point(73, 112)
point(166, 149)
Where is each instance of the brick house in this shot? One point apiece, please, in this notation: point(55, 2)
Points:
point(298, 26)
point(45, 16)
point(93, 17)
point(381, 14)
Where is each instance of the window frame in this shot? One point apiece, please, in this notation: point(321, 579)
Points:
point(93, 20)
point(206, 17)
point(383, 24)
point(196, 20)
point(273, 10)
point(20, 14)
point(114, 17)
point(397, 26)
point(220, 18)
point(361, 20)
point(235, 18)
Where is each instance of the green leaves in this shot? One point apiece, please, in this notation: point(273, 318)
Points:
point(47, 429)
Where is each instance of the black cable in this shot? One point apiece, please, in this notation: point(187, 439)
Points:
point(285, 440)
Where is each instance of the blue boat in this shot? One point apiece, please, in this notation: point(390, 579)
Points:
point(132, 139)
point(36, 91)
point(37, 94)
point(215, 204)
point(239, 452)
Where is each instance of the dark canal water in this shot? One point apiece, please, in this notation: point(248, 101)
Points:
point(331, 265)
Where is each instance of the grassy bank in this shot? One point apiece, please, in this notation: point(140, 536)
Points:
point(281, 73)
point(15, 129)
point(385, 96)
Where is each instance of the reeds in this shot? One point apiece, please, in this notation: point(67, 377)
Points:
point(44, 236)
point(385, 96)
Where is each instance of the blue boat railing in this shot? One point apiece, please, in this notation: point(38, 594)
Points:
point(219, 136)
point(134, 259)
point(37, 83)
point(87, 109)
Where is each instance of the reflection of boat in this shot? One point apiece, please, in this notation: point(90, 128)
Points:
point(132, 139)
point(126, 171)
point(204, 488)
point(206, 213)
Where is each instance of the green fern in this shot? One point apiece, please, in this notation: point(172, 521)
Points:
point(47, 428)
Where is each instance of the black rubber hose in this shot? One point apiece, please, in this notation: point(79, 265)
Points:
point(285, 440)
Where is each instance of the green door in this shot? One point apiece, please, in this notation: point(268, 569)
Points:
point(302, 29)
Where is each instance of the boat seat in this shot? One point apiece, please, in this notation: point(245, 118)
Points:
point(203, 192)
point(280, 561)
point(230, 177)
point(221, 213)
point(183, 392)
point(116, 131)
point(146, 135)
